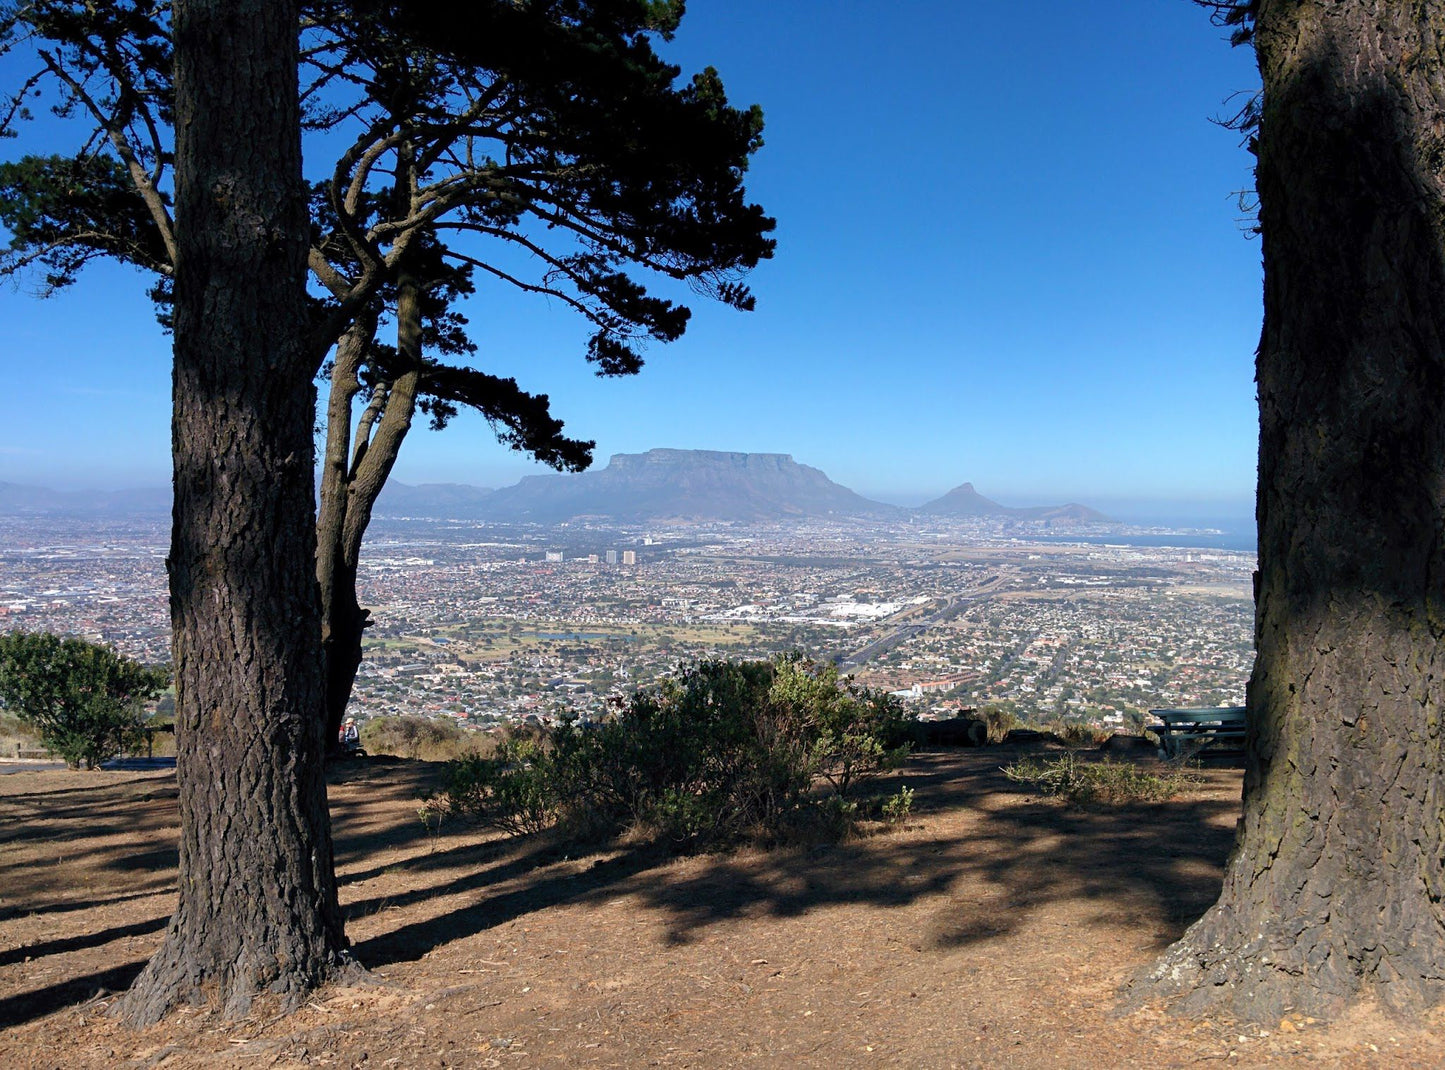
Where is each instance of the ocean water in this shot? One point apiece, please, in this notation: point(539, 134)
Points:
point(1242, 540)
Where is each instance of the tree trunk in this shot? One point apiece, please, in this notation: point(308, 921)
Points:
point(257, 910)
point(343, 621)
point(346, 510)
point(1334, 888)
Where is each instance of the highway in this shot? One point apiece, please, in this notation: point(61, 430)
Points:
point(950, 609)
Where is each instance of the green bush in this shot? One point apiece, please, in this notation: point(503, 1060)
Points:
point(1109, 783)
point(722, 752)
point(513, 790)
point(1000, 722)
point(897, 808)
point(85, 701)
point(424, 738)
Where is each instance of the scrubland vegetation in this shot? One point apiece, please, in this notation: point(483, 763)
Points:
point(720, 754)
point(1108, 782)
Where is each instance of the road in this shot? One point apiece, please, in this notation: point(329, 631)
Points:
point(950, 609)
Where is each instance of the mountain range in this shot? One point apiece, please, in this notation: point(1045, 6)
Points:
point(659, 485)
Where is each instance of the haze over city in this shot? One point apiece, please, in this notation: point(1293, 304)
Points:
point(1008, 252)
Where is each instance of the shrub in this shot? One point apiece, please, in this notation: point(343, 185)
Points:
point(85, 701)
point(721, 752)
point(424, 738)
point(16, 731)
point(513, 790)
point(1000, 722)
point(1086, 783)
point(897, 808)
point(1074, 734)
point(856, 733)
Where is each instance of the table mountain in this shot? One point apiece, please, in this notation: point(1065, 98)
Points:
point(666, 484)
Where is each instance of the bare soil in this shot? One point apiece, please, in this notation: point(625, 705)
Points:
point(994, 930)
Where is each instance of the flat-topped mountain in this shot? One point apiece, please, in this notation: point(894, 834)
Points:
point(659, 485)
point(665, 484)
point(965, 501)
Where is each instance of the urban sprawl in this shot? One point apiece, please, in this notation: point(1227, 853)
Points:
point(484, 624)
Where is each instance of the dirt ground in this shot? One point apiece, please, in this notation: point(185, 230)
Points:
point(993, 931)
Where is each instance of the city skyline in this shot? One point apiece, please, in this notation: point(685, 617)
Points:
point(1010, 259)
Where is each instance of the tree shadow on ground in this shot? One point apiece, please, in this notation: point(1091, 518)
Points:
point(33, 821)
point(483, 866)
point(412, 941)
point(1159, 867)
point(27, 1006)
point(55, 793)
point(1155, 865)
point(61, 945)
point(996, 856)
point(72, 906)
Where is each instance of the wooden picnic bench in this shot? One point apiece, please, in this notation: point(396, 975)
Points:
point(1220, 729)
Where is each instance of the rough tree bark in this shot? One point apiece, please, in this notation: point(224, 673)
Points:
point(257, 909)
point(1334, 889)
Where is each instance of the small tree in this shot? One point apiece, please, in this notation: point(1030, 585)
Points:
point(84, 699)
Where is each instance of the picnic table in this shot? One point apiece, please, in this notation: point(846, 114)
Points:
point(1219, 729)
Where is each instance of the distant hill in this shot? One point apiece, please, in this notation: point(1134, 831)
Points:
point(666, 484)
point(963, 501)
point(1072, 512)
point(966, 501)
point(20, 500)
point(659, 485)
point(459, 501)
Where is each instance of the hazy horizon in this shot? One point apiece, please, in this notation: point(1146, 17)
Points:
point(1231, 513)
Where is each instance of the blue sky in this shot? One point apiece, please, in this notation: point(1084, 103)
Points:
point(1009, 253)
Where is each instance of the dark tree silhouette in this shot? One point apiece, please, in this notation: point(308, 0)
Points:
point(543, 145)
point(1334, 890)
point(257, 908)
